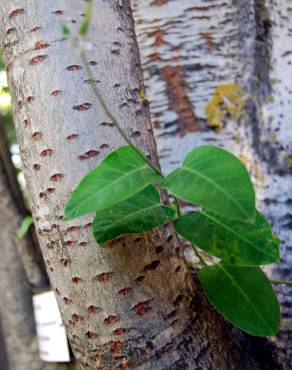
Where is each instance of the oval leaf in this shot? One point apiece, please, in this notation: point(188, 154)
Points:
point(216, 180)
point(237, 243)
point(142, 212)
point(120, 175)
point(244, 296)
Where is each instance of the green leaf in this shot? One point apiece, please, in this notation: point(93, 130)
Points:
point(83, 30)
point(216, 180)
point(244, 296)
point(24, 227)
point(142, 212)
point(237, 243)
point(66, 30)
point(1, 63)
point(120, 175)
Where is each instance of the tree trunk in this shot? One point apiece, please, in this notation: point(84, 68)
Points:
point(272, 143)
point(133, 305)
point(188, 50)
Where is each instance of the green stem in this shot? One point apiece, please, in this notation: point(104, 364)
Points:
point(286, 282)
point(197, 253)
point(209, 260)
point(102, 101)
point(177, 206)
point(114, 120)
point(105, 107)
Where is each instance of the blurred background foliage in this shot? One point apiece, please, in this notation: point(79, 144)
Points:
point(6, 122)
point(5, 106)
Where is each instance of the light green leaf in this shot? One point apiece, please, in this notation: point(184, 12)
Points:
point(244, 296)
point(216, 180)
point(24, 227)
point(120, 175)
point(237, 243)
point(83, 30)
point(142, 212)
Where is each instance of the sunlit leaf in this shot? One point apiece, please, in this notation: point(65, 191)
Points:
point(215, 179)
point(120, 175)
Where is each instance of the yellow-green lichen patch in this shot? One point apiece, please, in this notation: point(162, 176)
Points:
point(226, 100)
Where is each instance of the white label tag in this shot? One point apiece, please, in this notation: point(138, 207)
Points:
point(53, 343)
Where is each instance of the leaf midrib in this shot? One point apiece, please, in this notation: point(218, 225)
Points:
point(238, 235)
point(216, 186)
point(109, 185)
point(246, 297)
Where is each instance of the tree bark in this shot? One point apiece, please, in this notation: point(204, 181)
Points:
point(189, 49)
point(133, 305)
point(272, 143)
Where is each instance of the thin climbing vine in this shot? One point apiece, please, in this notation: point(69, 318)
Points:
point(124, 193)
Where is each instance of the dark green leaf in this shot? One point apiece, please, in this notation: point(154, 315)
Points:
point(24, 227)
point(142, 212)
point(216, 180)
point(237, 243)
point(121, 174)
point(244, 296)
point(83, 30)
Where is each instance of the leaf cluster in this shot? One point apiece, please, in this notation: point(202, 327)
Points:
point(122, 192)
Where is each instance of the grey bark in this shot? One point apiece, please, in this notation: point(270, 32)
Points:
point(188, 49)
point(133, 305)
